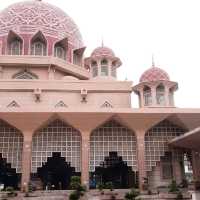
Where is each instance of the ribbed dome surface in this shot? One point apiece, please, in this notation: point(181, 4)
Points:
point(154, 74)
point(103, 51)
point(28, 17)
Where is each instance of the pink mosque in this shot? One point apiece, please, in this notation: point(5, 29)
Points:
point(62, 114)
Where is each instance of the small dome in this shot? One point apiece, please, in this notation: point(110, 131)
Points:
point(29, 17)
point(154, 74)
point(103, 51)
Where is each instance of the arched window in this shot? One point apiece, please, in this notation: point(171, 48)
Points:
point(160, 95)
point(60, 49)
point(113, 70)
point(38, 45)
point(104, 67)
point(25, 74)
point(60, 52)
point(15, 47)
point(38, 48)
point(14, 44)
point(147, 96)
point(94, 69)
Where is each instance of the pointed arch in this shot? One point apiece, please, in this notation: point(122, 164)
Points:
point(104, 67)
point(114, 69)
point(112, 137)
point(25, 74)
point(56, 136)
point(106, 104)
point(78, 55)
point(13, 104)
point(60, 49)
point(156, 141)
point(38, 44)
point(147, 95)
point(14, 44)
point(61, 104)
point(11, 145)
point(160, 94)
point(171, 96)
point(94, 67)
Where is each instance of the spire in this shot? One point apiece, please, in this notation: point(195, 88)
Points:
point(153, 61)
point(102, 42)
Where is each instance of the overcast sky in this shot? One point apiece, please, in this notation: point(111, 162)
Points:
point(135, 29)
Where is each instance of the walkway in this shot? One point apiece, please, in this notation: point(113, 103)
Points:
point(196, 196)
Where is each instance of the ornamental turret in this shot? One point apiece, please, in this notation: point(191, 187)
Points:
point(155, 88)
point(103, 64)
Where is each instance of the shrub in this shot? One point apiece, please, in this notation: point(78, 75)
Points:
point(11, 192)
point(26, 194)
point(113, 197)
point(149, 192)
point(109, 185)
point(31, 187)
point(179, 196)
point(74, 196)
point(79, 189)
point(132, 194)
point(100, 187)
point(173, 187)
point(9, 189)
point(75, 182)
point(184, 183)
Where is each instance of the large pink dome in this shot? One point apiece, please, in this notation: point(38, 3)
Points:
point(29, 17)
point(154, 74)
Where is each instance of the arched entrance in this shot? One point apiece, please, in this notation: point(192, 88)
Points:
point(114, 169)
point(8, 175)
point(56, 173)
point(160, 157)
point(11, 146)
point(113, 156)
point(55, 155)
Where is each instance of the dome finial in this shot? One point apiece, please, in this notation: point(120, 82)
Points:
point(102, 42)
point(153, 61)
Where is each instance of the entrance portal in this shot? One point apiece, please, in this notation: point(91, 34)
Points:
point(114, 169)
point(8, 175)
point(56, 173)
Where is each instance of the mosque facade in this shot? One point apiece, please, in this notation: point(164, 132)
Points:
point(63, 114)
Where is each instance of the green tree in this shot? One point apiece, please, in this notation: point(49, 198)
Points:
point(173, 187)
point(132, 194)
point(79, 190)
point(109, 185)
point(75, 182)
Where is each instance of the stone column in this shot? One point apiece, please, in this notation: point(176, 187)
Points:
point(141, 98)
point(167, 96)
point(98, 67)
point(85, 146)
point(176, 168)
point(141, 157)
point(26, 161)
point(154, 99)
point(51, 72)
